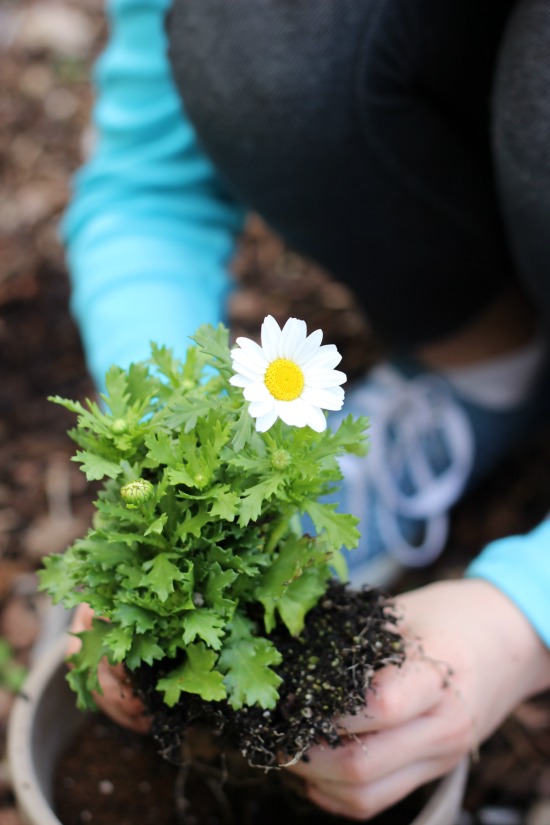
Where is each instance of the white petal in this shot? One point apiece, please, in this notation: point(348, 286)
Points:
point(294, 413)
point(327, 399)
point(247, 372)
point(254, 350)
point(271, 336)
point(257, 409)
point(324, 378)
point(241, 358)
point(317, 420)
point(264, 422)
point(309, 347)
point(240, 381)
point(327, 358)
point(257, 392)
point(293, 334)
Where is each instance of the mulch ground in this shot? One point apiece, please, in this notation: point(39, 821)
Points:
point(44, 503)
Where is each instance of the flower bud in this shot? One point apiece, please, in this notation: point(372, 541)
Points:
point(280, 459)
point(137, 492)
point(119, 426)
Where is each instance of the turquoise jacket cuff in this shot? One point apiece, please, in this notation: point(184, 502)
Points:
point(520, 567)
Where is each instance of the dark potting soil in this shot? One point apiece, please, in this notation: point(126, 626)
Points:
point(325, 672)
point(110, 776)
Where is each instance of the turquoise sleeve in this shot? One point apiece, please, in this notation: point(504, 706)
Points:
point(150, 227)
point(520, 567)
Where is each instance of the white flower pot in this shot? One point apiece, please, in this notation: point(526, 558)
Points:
point(45, 719)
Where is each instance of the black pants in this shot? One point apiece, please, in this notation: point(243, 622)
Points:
point(362, 131)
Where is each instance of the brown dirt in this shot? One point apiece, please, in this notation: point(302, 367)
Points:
point(44, 503)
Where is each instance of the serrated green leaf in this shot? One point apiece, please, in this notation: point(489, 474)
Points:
point(134, 617)
point(161, 576)
point(157, 525)
point(215, 343)
point(116, 398)
point(293, 583)
point(242, 430)
point(253, 500)
point(181, 475)
point(83, 676)
point(206, 624)
point(54, 578)
point(186, 412)
point(300, 596)
point(195, 675)
point(217, 583)
point(161, 448)
point(193, 524)
point(249, 679)
point(225, 503)
point(119, 641)
point(144, 649)
point(95, 467)
point(340, 528)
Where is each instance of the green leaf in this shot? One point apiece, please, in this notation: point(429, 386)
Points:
point(144, 649)
point(214, 342)
point(350, 437)
point(195, 675)
point(218, 581)
point(95, 467)
point(293, 583)
point(119, 641)
point(55, 578)
point(300, 596)
point(253, 500)
point(225, 503)
point(161, 576)
point(193, 524)
point(340, 528)
point(243, 430)
point(157, 526)
point(134, 617)
point(116, 398)
point(181, 475)
point(206, 624)
point(186, 412)
point(161, 448)
point(83, 676)
point(248, 675)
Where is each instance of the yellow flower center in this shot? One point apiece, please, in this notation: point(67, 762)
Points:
point(284, 379)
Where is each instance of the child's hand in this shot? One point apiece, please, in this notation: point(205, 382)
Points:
point(118, 700)
point(472, 658)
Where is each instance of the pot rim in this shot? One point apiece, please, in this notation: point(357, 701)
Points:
point(25, 780)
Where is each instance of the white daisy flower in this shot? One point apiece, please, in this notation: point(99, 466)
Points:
point(290, 376)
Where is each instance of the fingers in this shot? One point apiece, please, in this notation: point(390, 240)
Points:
point(118, 701)
point(399, 694)
point(365, 801)
point(368, 758)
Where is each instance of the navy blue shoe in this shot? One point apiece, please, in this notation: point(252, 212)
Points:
point(427, 447)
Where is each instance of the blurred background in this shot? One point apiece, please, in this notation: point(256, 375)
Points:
point(47, 48)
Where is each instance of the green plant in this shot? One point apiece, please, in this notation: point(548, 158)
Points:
point(12, 674)
point(197, 528)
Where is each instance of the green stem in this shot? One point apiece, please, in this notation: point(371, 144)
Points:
point(277, 533)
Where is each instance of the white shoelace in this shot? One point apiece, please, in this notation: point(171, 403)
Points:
point(403, 413)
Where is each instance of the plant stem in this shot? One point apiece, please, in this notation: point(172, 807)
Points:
point(278, 532)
